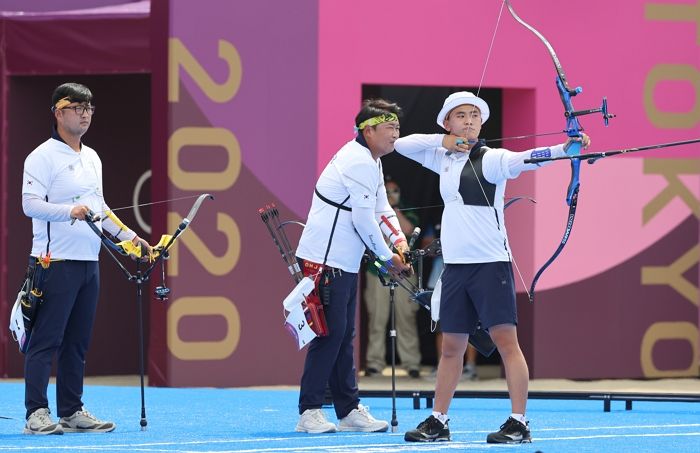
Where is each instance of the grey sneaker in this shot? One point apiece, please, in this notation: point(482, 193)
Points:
point(362, 421)
point(469, 373)
point(83, 421)
point(39, 422)
point(314, 422)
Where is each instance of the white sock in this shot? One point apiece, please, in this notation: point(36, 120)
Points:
point(520, 417)
point(440, 416)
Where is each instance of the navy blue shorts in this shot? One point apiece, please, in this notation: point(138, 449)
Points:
point(477, 292)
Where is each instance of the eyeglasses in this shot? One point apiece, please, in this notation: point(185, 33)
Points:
point(80, 109)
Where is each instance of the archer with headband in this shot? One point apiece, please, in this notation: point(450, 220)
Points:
point(345, 217)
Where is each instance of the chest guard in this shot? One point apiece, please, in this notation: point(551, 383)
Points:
point(472, 180)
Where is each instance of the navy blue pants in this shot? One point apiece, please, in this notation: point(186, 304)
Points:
point(63, 328)
point(330, 360)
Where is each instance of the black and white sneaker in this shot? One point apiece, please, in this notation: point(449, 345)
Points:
point(429, 430)
point(511, 432)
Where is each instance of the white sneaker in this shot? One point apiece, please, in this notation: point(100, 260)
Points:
point(39, 422)
point(313, 421)
point(361, 420)
point(83, 421)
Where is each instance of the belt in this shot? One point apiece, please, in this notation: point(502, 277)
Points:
point(309, 267)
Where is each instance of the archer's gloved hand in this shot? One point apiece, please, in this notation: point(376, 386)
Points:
point(401, 248)
point(146, 249)
point(397, 267)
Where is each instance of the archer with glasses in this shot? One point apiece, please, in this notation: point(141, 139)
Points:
point(62, 183)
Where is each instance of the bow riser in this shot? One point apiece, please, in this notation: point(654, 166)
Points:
point(573, 129)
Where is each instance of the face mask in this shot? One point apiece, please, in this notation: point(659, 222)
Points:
point(394, 195)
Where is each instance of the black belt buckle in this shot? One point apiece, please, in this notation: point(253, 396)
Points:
point(332, 272)
point(324, 287)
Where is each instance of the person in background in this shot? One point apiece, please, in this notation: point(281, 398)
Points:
point(376, 298)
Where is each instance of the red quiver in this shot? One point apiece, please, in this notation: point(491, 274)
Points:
point(313, 300)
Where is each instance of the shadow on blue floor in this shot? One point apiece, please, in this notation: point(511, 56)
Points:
point(240, 420)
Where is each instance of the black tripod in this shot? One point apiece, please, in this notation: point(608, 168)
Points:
point(392, 333)
point(392, 283)
point(140, 277)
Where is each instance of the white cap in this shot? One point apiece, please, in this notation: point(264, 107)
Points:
point(462, 98)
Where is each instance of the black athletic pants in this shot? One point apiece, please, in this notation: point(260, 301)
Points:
point(63, 328)
point(330, 359)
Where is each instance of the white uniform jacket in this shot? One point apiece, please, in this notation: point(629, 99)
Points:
point(354, 177)
point(472, 229)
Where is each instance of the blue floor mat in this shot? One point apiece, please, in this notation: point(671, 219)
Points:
point(241, 420)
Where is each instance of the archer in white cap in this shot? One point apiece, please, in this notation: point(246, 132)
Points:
point(477, 282)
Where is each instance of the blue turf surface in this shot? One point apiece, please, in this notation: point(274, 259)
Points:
point(241, 420)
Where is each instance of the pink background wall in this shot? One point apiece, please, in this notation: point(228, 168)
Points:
point(610, 50)
point(605, 309)
point(621, 300)
point(300, 89)
point(596, 316)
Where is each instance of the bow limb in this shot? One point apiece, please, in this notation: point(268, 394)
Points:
point(564, 240)
point(185, 222)
point(195, 208)
point(552, 53)
point(160, 251)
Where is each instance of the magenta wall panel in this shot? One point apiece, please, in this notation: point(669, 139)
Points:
point(284, 80)
point(622, 299)
point(241, 111)
point(251, 98)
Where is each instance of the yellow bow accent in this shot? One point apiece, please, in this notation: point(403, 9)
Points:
point(130, 248)
point(160, 246)
point(135, 250)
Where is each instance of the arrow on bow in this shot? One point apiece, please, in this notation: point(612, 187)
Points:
point(593, 157)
